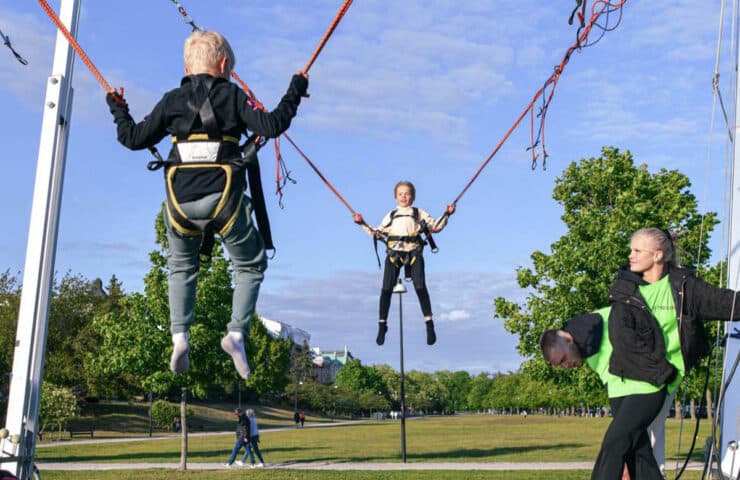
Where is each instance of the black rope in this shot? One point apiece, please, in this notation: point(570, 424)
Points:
point(6, 42)
point(702, 404)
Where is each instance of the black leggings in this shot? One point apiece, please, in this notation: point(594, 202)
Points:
point(390, 276)
point(626, 440)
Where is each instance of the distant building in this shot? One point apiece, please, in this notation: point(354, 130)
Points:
point(327, 364)
point(282, 330)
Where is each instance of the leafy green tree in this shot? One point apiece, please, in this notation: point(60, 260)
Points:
point(358, 378)
point(390, 381)
point(269, 359)
point(10, 297)
point(57, 407)
point(301, 364)
point(605, 200)
point(315, 395)
point(456, 386)
point(480, 386)
point(373, 401)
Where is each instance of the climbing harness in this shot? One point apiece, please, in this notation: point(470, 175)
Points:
point(117, 95)
point(6, 42)
point(421, 237)
point(218, 158)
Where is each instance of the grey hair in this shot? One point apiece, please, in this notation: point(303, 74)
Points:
point(250, 412)
point(663, 239)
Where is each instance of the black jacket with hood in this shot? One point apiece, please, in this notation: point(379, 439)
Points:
point(636, 337)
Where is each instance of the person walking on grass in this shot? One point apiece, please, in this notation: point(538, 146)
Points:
point(253, 448)
point(242, 436)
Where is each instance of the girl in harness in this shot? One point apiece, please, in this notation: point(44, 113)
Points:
point(402, 229)
point(206, 115)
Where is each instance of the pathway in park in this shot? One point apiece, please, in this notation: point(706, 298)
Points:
point(498, 466)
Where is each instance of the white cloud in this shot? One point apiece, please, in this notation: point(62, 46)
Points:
point(455, 315)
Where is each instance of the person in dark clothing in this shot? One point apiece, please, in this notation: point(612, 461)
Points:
point(205, 181)
point(297, 419)
point(242, 436)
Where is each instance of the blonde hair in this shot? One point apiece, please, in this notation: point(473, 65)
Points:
point(204, 49)
point(664, 242)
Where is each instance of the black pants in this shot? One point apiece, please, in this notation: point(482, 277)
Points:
point(415, 270)
point(626, 440)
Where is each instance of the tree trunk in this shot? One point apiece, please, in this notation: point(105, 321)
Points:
point(692, 409)
point(678, 409)
point(709, 406)
point(184, 432)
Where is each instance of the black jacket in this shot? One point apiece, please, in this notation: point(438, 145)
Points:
point(586, 331)
point(234, 116)
point(242, 427)
point(232, 108)
point(638, 343)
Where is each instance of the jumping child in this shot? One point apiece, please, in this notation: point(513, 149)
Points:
point(206, 116)
point(402, 228)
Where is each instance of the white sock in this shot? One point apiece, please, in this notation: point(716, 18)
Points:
point(179, 361)
point(233, 344)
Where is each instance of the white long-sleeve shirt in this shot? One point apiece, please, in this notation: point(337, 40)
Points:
point(404, 225)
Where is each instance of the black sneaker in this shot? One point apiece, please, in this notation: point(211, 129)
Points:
point(431, 336)
point(382, 328)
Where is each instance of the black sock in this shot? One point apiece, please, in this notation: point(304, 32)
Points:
point(382, 328)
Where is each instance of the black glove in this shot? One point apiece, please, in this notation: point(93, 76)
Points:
point(300, 84)
point(116, 103)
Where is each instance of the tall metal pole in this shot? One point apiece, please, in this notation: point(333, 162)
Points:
point(729, 409)
point(400, 289)
point(33, 317)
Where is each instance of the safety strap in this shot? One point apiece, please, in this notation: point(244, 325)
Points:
point(250, 160)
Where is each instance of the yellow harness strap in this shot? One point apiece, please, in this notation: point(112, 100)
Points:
point(194, 137)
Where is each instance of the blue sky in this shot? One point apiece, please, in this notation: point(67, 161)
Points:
point(417, 90)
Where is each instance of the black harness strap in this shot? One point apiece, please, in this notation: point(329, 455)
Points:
point(250, 160)
point(421, 241)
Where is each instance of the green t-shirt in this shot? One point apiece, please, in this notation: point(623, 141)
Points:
point(599, 362)
point(659, 299)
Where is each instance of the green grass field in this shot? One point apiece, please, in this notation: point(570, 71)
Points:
point(463, 438)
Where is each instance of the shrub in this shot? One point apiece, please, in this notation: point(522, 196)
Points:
point(164, 412)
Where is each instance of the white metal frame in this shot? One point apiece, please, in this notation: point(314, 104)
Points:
point(30, 343)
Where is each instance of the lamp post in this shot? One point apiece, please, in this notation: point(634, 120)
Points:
point(400, 289)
